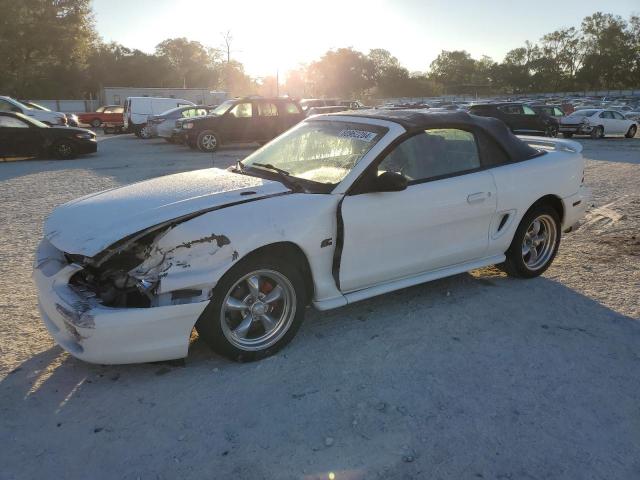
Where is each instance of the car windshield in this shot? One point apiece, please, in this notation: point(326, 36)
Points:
point(32, 121)
point(319, 151)
point(584, 113)
point(38, 107)
point(222, 108)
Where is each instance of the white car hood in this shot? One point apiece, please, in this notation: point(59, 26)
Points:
point(89, 224)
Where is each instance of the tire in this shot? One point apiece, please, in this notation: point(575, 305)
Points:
point(551, 131)
point(597, 132)
point(631, 132)
point(169, 140)
point(64, 150)
point(522, 264)
point(145, 132)
point(207, 141)
point(567, 135)
point(233, 324)
point(109, 130)
point(96, 122)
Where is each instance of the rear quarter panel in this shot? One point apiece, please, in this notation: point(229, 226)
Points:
point(519, 185)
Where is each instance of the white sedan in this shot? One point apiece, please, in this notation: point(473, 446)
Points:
point(597, 123)
point(338, 209)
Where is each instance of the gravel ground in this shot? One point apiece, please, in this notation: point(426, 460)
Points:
point(474, 376)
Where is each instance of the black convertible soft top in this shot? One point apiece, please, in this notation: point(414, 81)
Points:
point(414, 120)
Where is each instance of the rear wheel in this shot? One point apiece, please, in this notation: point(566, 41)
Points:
point(597, 132)
point(64, 150)
point(145, 132)
point(207, 141)
point(632, 131)
point(551, 131)
point(535, 243)
point(567, 135)
point(256, 309)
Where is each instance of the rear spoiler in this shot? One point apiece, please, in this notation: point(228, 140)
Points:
point(557, 144)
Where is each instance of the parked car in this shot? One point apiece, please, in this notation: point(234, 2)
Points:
point(8, 104)
point(249, 119)
point(597, 123)
point(138, 109)
point(520, 118)
point(72, 118)
point(104, 114)
point(307, 103)
point(163, 125)
point(25, 136)
point(553, 111)
point(319, 110)
point(353, 104)
point(635, 116)
point(340, 208)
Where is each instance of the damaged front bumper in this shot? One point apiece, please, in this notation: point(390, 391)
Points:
point(92, 332)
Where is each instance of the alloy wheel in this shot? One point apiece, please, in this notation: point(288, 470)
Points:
point(258, 310)
point(209, 141)
point(64, 150)
point(539, 242)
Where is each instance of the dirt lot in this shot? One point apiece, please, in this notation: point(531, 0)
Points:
point(475, 376)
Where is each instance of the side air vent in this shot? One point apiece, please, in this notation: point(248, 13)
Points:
point(503, 221)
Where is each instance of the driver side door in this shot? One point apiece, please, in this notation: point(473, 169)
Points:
point(441, 219)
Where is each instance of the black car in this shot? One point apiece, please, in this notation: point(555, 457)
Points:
point(24, 136)
point(250, 119)
point(520, 118)
point(553, 111)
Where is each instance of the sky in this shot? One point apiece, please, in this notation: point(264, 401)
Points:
point(278, 35)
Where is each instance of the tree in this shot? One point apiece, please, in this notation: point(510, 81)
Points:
point(44, 45)
point(344, 73)
point(453, 69)
point(196, 65)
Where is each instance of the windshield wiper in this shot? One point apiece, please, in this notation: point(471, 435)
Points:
point(284, 176)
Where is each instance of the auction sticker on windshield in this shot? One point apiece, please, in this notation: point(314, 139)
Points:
point(357, 134)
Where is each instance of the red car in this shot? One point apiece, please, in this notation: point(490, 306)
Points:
point(106, 114)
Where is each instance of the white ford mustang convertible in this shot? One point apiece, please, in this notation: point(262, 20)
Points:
point(340, 208)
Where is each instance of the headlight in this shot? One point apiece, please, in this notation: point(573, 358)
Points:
point(85, 136)
point(62, 120)
point(187, 125)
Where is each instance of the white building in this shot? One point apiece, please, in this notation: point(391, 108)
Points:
point(200, 96)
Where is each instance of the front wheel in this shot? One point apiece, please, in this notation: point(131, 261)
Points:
point(145, 132)
point(551, 131)
point(597, 132)
point(64, 150)
point(207, 141)
point(256, 309)
point(631, 132)
point(535, 243)
point(96, 122)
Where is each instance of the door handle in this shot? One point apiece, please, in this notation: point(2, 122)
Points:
point(478, 197)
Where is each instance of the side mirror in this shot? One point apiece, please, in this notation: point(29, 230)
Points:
point(16, 109)
point(391, 182)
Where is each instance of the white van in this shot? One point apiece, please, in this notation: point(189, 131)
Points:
point(8, 104)
point(138, 109)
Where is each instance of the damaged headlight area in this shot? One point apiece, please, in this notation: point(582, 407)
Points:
point(110, 276)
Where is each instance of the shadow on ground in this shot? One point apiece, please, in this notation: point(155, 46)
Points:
point(475, 376)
